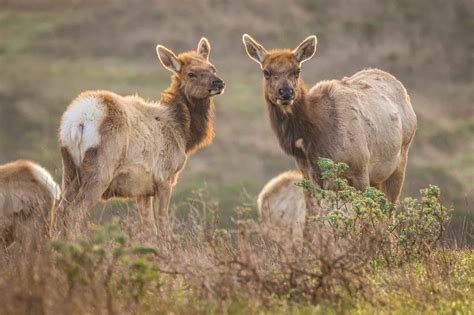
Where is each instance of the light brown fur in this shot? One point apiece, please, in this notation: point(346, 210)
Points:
point(142, 146)
point(26, 202)
point(281, 205)
point(366, 121)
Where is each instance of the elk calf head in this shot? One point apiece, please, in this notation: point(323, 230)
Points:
point(281, 69)
point(196, 75)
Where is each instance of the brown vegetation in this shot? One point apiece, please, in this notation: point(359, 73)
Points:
point(203, 269)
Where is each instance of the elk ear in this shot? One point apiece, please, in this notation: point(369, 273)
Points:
point(204, 48)
point(306, 49)
point(168, 59)
point(255, 51)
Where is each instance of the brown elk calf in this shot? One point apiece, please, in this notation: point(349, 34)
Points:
point(366, 121)
point(27, 196)
point(115, 146)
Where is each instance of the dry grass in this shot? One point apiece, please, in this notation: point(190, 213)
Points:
point(248, 273)
point(358, 265)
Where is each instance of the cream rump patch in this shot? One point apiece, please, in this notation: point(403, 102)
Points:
point(43, 176)
point(80, 125)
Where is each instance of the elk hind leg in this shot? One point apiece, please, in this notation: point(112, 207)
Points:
point(147, 217)
point(69, 190)
point(161, 203)
point(96, 173)
point(392, 187)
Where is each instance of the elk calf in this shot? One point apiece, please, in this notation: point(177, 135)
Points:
point(281, 205)
point(116, 146)
point(366, 121)
point(27, 196)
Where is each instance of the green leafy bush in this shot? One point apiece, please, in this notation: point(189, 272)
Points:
point(403, 231)
point(106, 257)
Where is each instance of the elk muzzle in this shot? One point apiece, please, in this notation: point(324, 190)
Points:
point(286, 95)
point(217, 86)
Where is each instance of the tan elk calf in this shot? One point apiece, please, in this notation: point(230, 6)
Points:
point(27, 195)
point(366, 120)
point(281, 205)
point(123, 146)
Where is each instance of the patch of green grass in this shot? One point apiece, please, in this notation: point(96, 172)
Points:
point(229, 195)
point(456, 134)
point(244, 97)
point(19, 29)
point(419, 175)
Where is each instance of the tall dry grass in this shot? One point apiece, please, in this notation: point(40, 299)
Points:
point(363, 254)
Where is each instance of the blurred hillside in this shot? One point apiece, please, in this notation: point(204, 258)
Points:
point(50, 51)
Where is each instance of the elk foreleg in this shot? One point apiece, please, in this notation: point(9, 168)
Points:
point(161, 204)
point(145, 210)
point(311, 206)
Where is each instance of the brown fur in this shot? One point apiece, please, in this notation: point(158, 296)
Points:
point(194, 120)
point(25, 203)
point(366, 121)
point(143, 146)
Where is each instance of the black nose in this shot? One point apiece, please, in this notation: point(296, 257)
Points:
point(286, 93)
point(218, 83)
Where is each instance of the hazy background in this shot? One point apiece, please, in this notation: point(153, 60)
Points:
point(50, 51)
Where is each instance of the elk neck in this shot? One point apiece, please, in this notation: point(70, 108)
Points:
point(194, 117)
point(295, 124)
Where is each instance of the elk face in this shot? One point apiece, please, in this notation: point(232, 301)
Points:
point(281, 69)
point(197, 76)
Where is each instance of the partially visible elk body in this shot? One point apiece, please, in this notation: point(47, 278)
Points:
point(366, 121)
point(281, 205)
point(115, 146)
point(27, 195)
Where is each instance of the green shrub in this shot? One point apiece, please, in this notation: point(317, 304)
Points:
point(406, 230)
point(107, 258)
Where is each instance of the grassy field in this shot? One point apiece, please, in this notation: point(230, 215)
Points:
point(372, 260)
point(75, 281)
point(52, 50)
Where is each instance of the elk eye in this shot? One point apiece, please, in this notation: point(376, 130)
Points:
point(297, 73)
point(266, 74)
point(191, 75)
